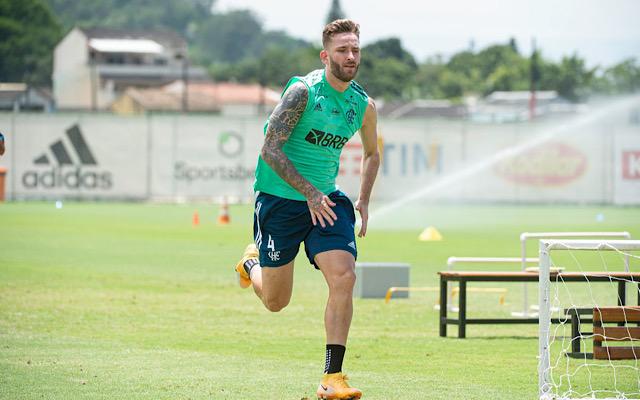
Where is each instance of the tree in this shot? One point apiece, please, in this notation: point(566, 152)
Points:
point(493, 56)
point(229, 37)
point(387, 78)
point(237, 36)
point(623, 77)
point(279, 39)
point(428, 78)
point(451, 84)
point(181, 16)
point(387, 69)
point(465, 63)
point(272, 69)
point(278, 64)
point(335, 12)
point(570, 78)
point(234, 45)
point(29, 34)
point(388, 48)
point(213, 37)
point(509, 77)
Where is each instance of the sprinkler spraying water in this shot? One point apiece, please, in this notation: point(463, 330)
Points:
point(571, 126)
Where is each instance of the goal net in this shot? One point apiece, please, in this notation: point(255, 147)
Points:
point(582, 281)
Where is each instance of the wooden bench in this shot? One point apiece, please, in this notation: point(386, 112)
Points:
point(462, 277)
point(620, 315)
point(575, 313)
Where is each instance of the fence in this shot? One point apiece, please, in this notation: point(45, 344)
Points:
point(592, 158)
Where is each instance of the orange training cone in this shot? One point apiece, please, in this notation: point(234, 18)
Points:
point(223, 216)
point(195, 221)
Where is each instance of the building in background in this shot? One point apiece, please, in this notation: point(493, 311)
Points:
point(226, 98)
point(514, 106)
point(92, 67)
point(22, 97)
point(423, 108)
point(497, 107)
point(233, 98)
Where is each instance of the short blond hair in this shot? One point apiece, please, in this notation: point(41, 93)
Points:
point(339, 26)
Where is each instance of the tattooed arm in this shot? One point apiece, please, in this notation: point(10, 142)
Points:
point(281, 123)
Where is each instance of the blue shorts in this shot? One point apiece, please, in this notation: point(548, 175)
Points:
point(280, 225)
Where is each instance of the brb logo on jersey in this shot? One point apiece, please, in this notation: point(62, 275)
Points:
point(326, 139)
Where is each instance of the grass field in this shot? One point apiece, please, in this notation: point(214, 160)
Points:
point(129, 301)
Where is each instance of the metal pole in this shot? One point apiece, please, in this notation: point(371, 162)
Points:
point(13, 156)
point(443, 306)
point(93, 78)
point(544, 364)
point(462, 312)
point(185, 85)
point(149, 155)
point(547, 235)
point(523, 240)
point(174, 145)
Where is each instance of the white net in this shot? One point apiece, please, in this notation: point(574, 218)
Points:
point(600, 275)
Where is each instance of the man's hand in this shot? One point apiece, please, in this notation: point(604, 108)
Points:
point(363, 209)
point(320, 209)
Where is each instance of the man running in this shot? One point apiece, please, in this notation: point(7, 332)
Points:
point(298, 200)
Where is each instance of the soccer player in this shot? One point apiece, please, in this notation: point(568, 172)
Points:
point(297, 198)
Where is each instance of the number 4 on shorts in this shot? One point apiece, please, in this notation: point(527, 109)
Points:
point(271, 244)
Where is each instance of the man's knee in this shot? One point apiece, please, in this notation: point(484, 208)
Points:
point(275, 304)
point(344, 279)
point(350, 278)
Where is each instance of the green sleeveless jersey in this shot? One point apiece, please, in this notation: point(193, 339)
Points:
point(329, 120)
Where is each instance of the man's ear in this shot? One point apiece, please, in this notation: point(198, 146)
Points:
point(324, 57)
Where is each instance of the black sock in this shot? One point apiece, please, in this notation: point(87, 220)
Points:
point(250, 263)
point(333, 360)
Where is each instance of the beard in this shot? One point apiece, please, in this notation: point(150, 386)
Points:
point(339, 72)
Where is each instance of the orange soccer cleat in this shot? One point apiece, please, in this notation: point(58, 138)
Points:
point(335, 387)
point(250, 254)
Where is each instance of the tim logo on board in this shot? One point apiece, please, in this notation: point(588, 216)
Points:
point(631, 165)
point(69, 167)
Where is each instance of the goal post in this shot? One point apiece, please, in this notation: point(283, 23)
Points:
point(560, 377)
point(525, 236)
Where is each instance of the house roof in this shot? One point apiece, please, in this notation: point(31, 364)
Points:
point(12, 87)
point(423, 108)
point(227, 93)
point(163, 37)
point(202, 96)
point(10, 92)
point(144, 46)
point(25, 95)
point(520, 96)
point(157, 99)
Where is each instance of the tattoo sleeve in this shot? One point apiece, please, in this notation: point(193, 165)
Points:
point(281, 123)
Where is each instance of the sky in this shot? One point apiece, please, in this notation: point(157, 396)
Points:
point(604, 32)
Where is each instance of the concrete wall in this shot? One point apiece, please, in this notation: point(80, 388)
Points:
point(71, 72)
point(590, 158)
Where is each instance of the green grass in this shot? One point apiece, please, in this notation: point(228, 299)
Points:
point(129, 301)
